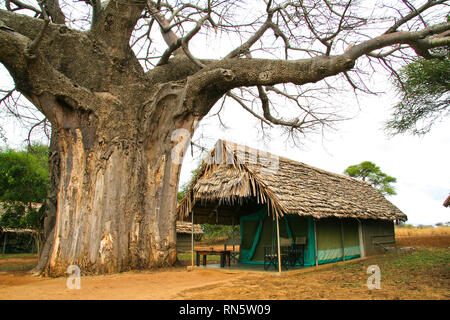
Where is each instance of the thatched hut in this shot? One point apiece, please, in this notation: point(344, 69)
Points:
point(273, 197)
point(184, 235)
point(17, 241)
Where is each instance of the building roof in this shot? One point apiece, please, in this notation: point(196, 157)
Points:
point(232, 173)
point(186, 227)
point(447, 202)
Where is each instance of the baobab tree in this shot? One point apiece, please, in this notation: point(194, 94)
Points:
point(117, 82)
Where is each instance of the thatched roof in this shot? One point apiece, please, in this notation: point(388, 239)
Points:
point(232, 173)
point(186, 227)
point(447, 202)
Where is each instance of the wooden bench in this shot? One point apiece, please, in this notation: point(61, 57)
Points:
point(384, 241)
point(224, 256)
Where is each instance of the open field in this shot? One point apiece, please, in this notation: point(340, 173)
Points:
point(417, 274)
point(423, 237)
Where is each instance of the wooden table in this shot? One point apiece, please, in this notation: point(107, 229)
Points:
point(224, 256)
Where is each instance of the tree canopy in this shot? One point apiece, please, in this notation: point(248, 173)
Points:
point(24, 182)
point(370, 172)
point(424, 86)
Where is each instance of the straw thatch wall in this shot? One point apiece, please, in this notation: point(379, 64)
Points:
point(186, 227)
point(233, 173)
point(184, 234)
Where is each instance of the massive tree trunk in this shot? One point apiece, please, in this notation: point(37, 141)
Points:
point(117, 190)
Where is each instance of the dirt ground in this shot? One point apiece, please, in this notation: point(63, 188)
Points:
point(162, 284)
point(422, 274)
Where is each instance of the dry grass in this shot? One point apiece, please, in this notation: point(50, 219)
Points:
point(423, 237)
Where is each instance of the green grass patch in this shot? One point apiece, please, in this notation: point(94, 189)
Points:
point(421, 260)
point(18, 255)
point(17, 267)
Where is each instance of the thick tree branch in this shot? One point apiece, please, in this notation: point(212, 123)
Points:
point(96, 9)
point(183, 42)
point(30, 51)
point(168, 35)
point(54, 11)
point(115, 23)
point(39, 81)
point(19, 5)
point(413, 39)
point(25, 25)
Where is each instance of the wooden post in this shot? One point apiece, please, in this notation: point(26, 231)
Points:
point(342, 241)
point(278, 243)
point(315, 242)
point(192, 237)
point(4, 242)
point(232, 231)
point(361, 238)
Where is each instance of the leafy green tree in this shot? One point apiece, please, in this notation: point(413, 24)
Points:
point(24, 175)
point(424, 87)
point(24, 181)
point(185, 187)
point(370, 172)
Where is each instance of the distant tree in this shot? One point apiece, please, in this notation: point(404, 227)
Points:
point(424, 86)
point(24, 181)
point(370, 172)
point(185, 187)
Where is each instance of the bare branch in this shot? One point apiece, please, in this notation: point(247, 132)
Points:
point(244, 48)
point(182, 42)
point(20, 5)
point(414, 13)
point(243, 105)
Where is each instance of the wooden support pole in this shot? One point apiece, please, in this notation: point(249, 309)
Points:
point(232, 231)
point(4, 242)
point(278, 243)
point(361, 239)
point(315, 242)
point(192, 238)
point(342, 241)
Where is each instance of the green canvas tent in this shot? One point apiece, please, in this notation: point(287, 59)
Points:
point(272, 197)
